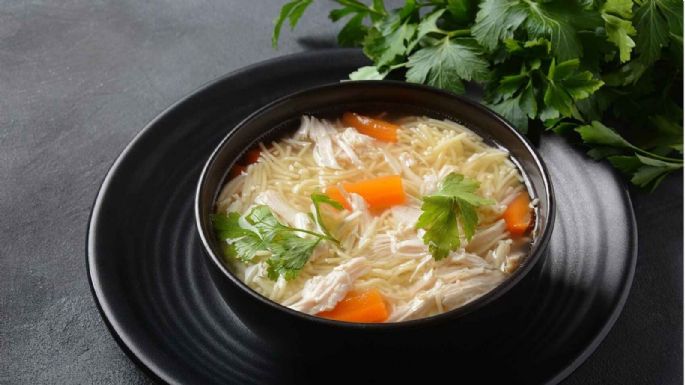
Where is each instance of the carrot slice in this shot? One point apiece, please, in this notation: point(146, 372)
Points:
point(236, 170)
point(376, 128)
point(379, 193)
point(366, 306)
point(252, 156)
point(335, 194)
point(517, 215)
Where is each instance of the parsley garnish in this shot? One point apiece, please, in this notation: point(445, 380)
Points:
point(559, 65)
point(318, 200)
point(453, 204)
point(259, 233)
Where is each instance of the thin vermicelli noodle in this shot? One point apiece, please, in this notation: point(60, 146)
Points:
point(380, 250)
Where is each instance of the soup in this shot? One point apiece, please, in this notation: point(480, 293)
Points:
point(374, 219)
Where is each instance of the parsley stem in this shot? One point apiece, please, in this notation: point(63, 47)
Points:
point(655, 156)
point(459, 32)
point(360, 7)
point(320, 236)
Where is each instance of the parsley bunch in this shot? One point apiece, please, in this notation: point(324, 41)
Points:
point(575, 67)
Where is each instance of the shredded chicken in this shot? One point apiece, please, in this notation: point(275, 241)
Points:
point(322, 293)
point(498, 255)
point(446, 296)
point(486, 238)
point(406, 216)
point(418, 307)
point(355, 139)
point(320, 133)
point(283, 209)
point(463, 292)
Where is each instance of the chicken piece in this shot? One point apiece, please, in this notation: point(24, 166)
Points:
point(513, 262)
point(321, 293)
point(350, 141)
point(319, 132)
point(448, 295)
point(421, 306)
point(486, 238)
point(278, 204)
point(354, 138)
point(431, 182)
point(464, 291)
point(498, 256)
point(405, 216)
point(393, 162)
point(427, 280)
point(348, 150)
point(358, 203)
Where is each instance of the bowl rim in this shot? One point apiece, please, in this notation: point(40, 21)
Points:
point(538, 248)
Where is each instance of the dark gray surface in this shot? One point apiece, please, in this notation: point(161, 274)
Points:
point(79, 78)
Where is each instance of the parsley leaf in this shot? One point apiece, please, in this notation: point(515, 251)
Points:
point(497, 20)
point(561, 86)
point(265, 222)
point(445, 64)
point(555, 20)
point(565, 85)
point(292, 11)
point(289, 255)
point(439, 219)
point(429, 24)
point(245, 244)
point(511, 110)
point(656, 21)
point(617, 15)
point(318, 200)
point(262, 234)
point(353, 32)
point(647, 169)
point(386, 47)
point(453, 204)
point(368, 73)
point(462, 11)
point(646, 172)
point(597, 133)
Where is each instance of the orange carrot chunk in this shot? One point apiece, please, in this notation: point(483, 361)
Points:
point(517, 215)
point(252, 156)
point(335, 194)
point(379, 193)
point(366, 306)
point(236, 170)
point(375, 128)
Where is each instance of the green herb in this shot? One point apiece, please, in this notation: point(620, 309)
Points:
point(260, 234)
point(319, 199)
point(453, 204)
point(647, 169)
point(292, 11)
point(569, 66)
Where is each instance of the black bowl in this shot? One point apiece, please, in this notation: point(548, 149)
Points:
point(299, 333)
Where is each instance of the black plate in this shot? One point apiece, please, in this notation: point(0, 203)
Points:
point(148, 277)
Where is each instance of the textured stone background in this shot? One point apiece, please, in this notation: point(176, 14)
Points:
point(79, 78)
